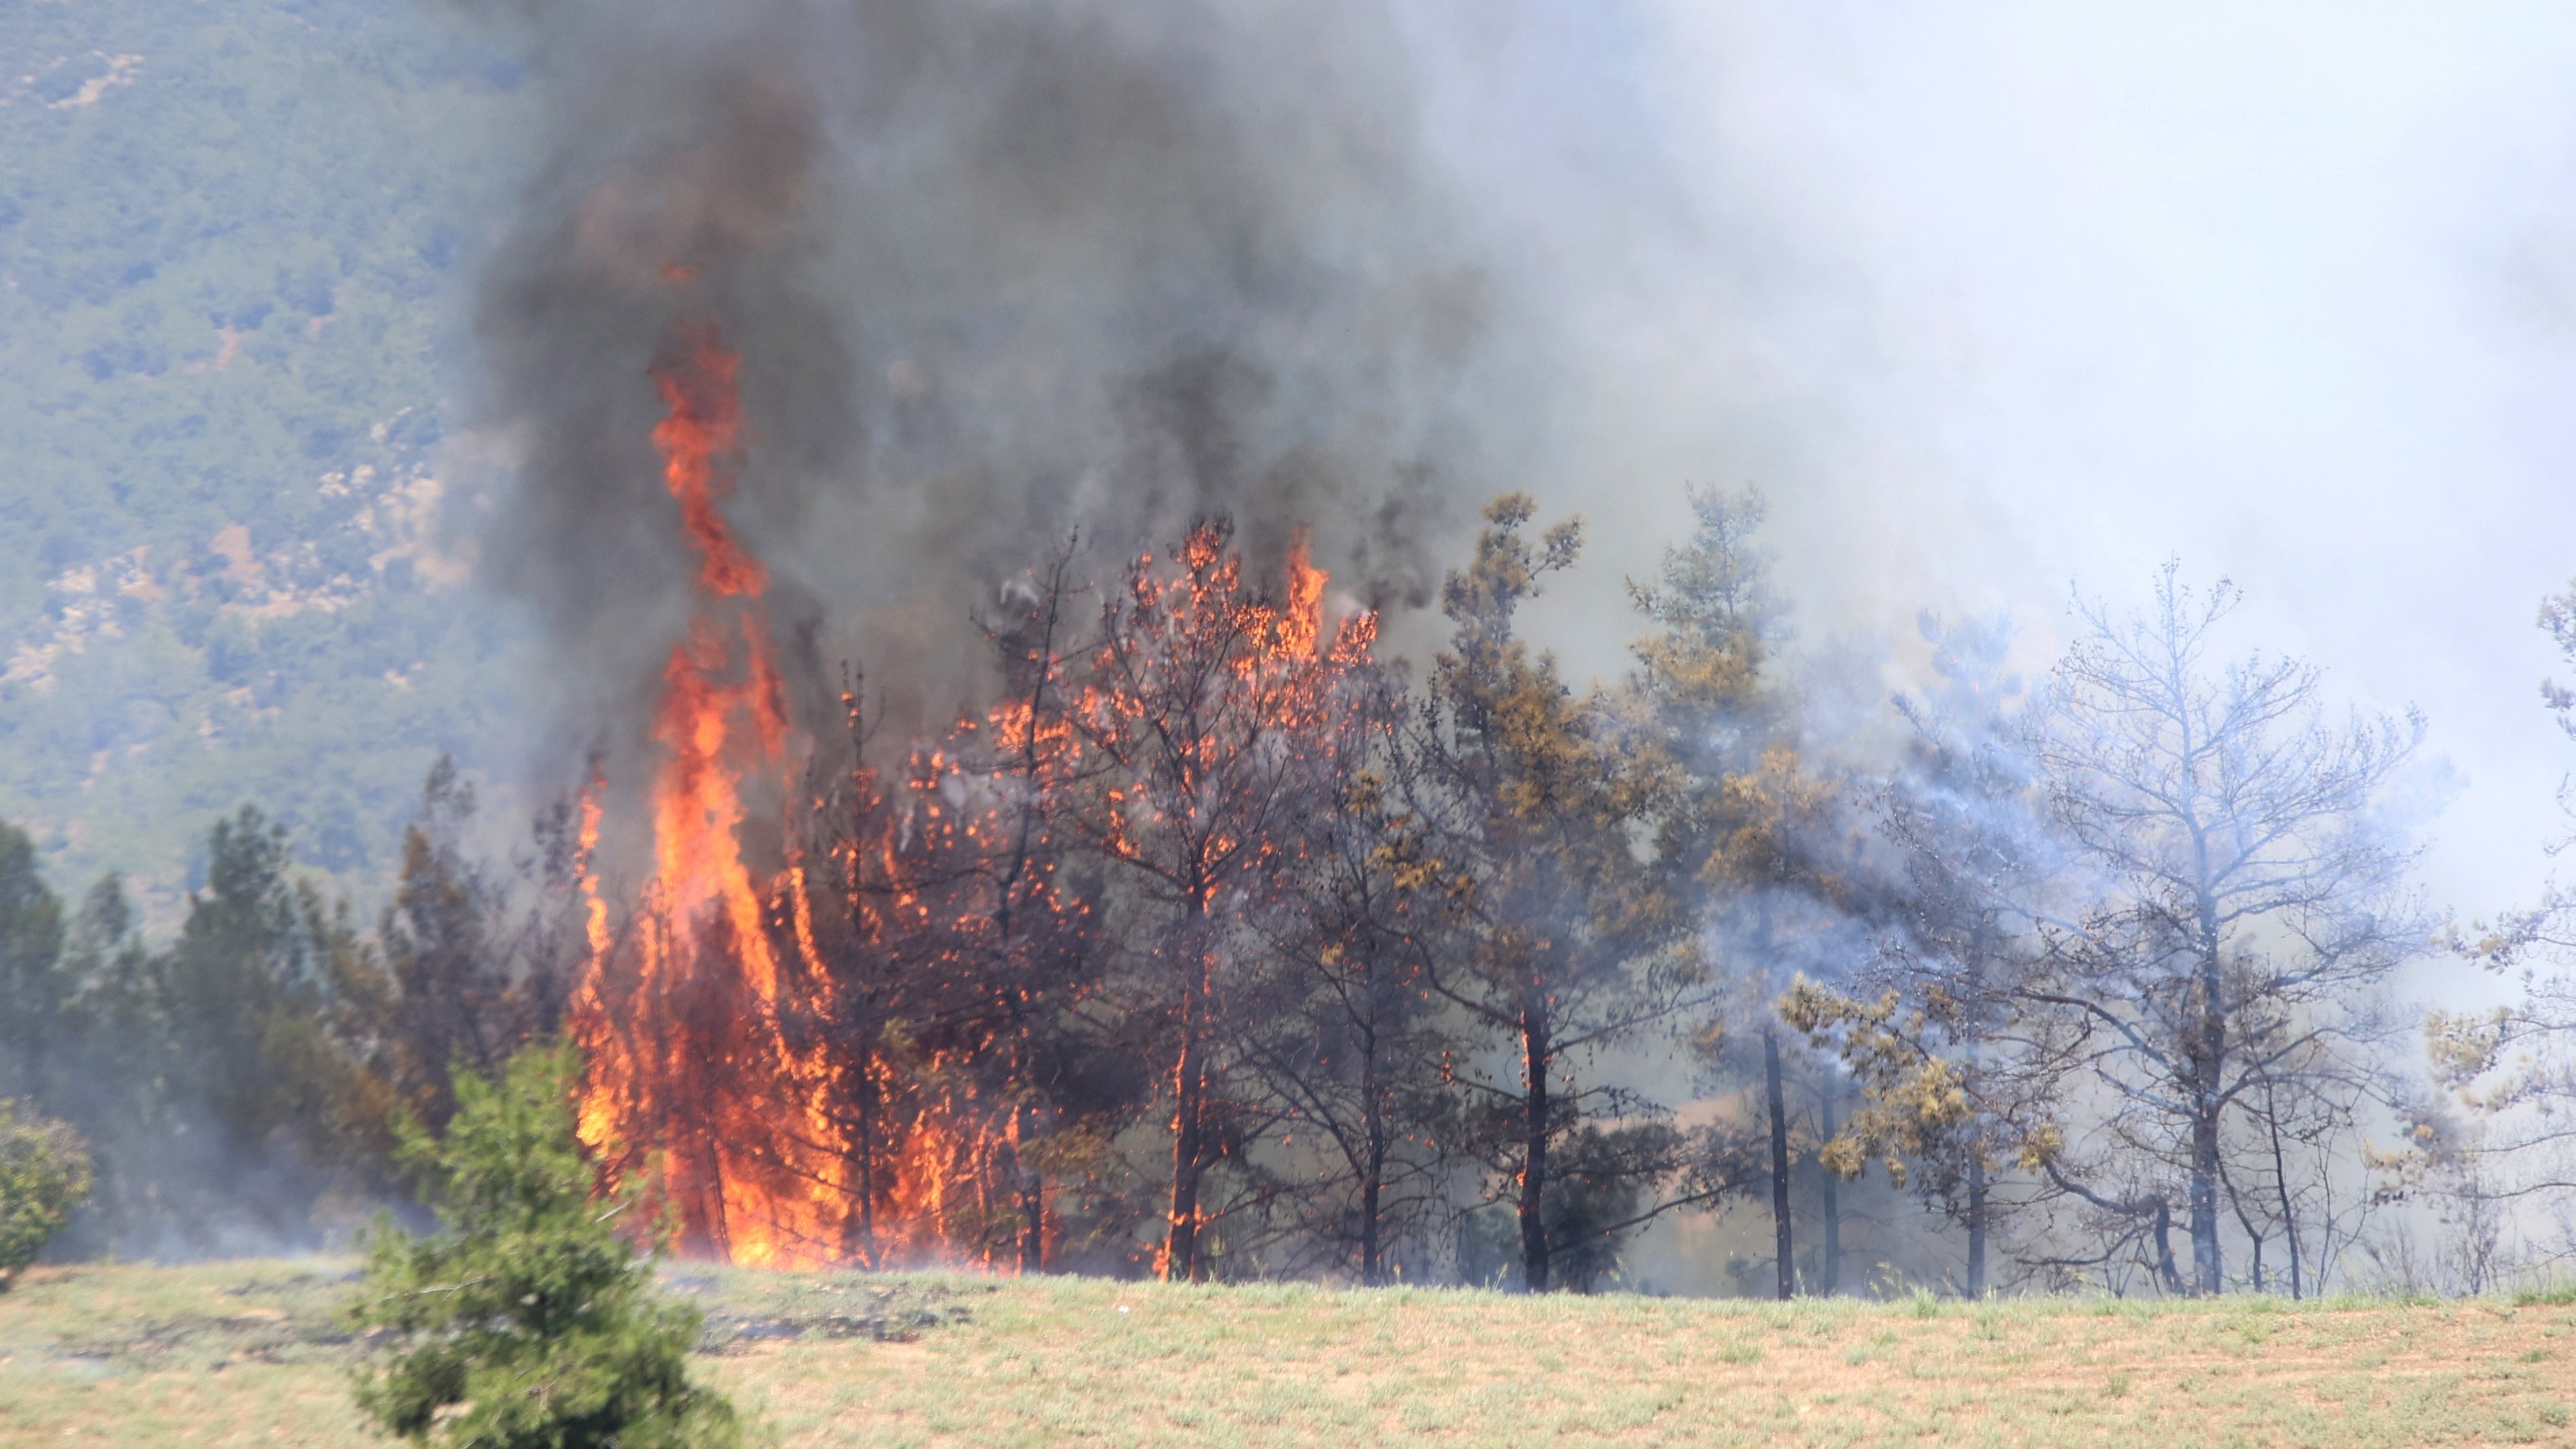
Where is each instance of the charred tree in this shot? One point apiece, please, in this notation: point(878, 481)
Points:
point(1348, 1039)
point(2248, 910)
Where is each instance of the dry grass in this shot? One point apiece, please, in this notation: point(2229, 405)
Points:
point(252, 1353)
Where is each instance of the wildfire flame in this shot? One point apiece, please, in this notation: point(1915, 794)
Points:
point(689, 1081)
point(1301, 625)
point(694, 1087)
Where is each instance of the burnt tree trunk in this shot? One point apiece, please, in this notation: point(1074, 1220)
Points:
point(1538, 1051)
point(2205, 1062)
point(1373, 1168)
point(2281, 1179)
point(2165, 1268)
point(1783, 1247)
point(1032, 1195)
point(1833, 1266)
point(1189, 1126)
point(1977, 1225)
point(859, 1230)
point(1041, 663)
point(1977, 952)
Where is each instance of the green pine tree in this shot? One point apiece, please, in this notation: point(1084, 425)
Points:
point(529, 1321)
point(44, 1175)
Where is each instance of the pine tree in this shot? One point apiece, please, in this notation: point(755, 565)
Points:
point(33, 990)
point(1203, 722)
point(530, 1321)
point(1564, 946)
point(1753, 833)
point(44, 1175)
point(1929, 1028)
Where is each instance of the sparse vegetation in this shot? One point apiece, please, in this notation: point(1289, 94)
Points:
point(258, 1352)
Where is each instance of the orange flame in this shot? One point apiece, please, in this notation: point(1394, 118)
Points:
point(687, 1067)
point(694, 1088)
point(1301, 626)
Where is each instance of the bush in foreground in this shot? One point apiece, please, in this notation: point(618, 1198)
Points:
point(529, 1321)
point(44, 1175)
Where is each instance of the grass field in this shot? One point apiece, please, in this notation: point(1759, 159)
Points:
point(253, 1353)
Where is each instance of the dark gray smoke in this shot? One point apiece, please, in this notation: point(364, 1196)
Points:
point(998, 270)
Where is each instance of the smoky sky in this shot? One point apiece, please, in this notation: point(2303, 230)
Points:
point(1997, 303)
point(2051, 294)
point(998, 271)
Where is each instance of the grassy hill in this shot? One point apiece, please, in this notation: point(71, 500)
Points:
point(252, 1353)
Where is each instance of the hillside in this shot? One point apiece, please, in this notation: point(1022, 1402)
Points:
point(250, 1353)
point(233, 259)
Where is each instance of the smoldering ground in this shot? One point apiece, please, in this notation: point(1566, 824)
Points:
point(998, 272)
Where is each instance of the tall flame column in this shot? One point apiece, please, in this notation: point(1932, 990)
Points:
point(690, 1087)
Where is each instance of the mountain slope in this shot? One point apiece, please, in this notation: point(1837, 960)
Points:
point(232, 249)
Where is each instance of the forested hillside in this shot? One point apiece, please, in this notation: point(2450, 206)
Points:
point(231, 268)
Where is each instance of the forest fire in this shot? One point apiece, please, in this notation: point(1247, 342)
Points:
point(689, 1077)
point(1138, 912)
point(834, 1062)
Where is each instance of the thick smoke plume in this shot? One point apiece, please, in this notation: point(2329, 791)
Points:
point(999, 271)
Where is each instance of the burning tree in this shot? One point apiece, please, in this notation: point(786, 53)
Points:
point(1346, 1037)
point(838, 1060)
point(952, 962)
point(878, 1047)
point(1205, 722)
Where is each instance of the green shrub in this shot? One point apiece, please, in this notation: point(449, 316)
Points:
point(44, 1175)
point(529, 1321)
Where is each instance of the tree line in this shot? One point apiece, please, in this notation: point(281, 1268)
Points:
point(1220, 945)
